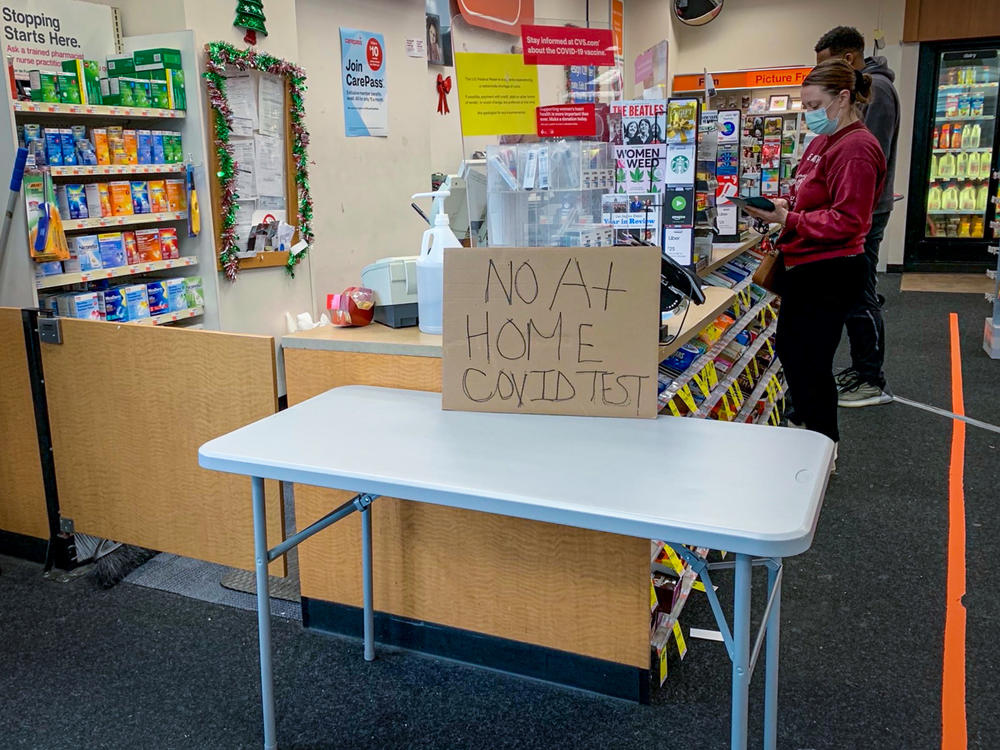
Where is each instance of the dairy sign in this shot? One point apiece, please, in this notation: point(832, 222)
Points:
point(40, 34)
point(362, 54)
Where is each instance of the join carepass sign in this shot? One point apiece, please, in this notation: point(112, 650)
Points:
point(570, 331)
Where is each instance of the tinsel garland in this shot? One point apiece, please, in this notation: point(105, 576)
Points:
point(221, 55)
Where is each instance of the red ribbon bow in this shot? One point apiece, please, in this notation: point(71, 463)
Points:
point(443, 88)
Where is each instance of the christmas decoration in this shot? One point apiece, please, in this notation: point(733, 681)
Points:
point(221, 55)
point(443, 89)
point(250, 16)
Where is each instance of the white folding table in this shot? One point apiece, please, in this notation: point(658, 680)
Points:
point(752, 490)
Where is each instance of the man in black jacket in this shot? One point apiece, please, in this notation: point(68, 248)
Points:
point(863, 383)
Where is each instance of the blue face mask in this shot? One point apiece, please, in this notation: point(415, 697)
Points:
point(819, 122)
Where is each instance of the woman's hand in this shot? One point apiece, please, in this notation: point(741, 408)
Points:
point(778, 216)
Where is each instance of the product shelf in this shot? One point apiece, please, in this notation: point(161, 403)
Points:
point(751, 351)
point(956, 178)
point(682, 327)
point(956, 150)
point(767, 412)
point(715, 350)
point(74, 225)
point(969, 118)
point(956, 213)
point(758, 391)
point(961, 86)
point(65, 279)
point(159, 320)
point(724, 252)
point(114, 170)
point(98, 110)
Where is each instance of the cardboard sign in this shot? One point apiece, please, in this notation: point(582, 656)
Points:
point(568, 331)
point(567, 45)
point(559, 120)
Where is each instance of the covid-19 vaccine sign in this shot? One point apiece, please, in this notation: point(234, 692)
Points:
point(362, 57)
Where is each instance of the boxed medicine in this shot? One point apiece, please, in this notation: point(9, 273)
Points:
point(155, 58)
point(193, 291)
point(156, 292)
point(85, 254)
point(131, 248)
point(148, 244)
point(88, 74)
point(69, 88)
point(136, 301)
point(121, 198)
point(117, 92)
point(112, 246)
point(177, 294)
point(44, 86)
point(120, 66)
point(113, 300)
point(83, 305)
point(169, 246)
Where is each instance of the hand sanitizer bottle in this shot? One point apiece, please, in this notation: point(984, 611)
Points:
point(430, 264)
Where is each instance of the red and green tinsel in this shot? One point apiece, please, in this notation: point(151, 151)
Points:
point(220, 55)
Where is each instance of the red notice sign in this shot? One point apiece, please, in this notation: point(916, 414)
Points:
point(567, 45)
point(566, 120)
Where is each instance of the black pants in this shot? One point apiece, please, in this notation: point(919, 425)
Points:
point(815, 301)
point(865, 328)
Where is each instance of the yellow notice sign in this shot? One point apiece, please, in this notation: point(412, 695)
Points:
point(497, 94)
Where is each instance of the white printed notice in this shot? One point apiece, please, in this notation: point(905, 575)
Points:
point(362, 56)
point(270, 165)
point(40, 34)
point(271, 104)
point(243, 155)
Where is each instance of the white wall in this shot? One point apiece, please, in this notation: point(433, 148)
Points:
point(765, 33)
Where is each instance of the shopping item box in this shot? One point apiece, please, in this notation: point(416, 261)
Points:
point(156, 293)
point(157, 57)
point(120, 66)
point(177, 294)
point(44, 86)
point(88, 74)
point(83, 305)
point(136, 301)
point(148, 243)
point(194, 292)
point(69, 88)
point(112, 246)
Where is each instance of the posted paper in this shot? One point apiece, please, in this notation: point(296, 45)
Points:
point(363, 65)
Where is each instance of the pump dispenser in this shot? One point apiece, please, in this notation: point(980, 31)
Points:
point(430, 263)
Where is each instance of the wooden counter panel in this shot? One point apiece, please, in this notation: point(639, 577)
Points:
point(569, 589)
point(22, 494)
point(130, 406)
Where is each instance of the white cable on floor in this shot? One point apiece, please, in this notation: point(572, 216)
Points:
point(946, 413)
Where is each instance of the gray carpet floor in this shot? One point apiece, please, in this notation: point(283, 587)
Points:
point(863, 616)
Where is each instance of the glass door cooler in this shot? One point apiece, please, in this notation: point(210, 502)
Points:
point(951, 211)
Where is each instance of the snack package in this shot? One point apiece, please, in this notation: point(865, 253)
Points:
point(355, 306)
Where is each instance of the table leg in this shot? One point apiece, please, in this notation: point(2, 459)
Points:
point(741, 653)
point(366, 570)
point(771, 661)
point(263, 613)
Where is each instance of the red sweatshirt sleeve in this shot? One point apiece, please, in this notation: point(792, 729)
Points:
point(853, 185)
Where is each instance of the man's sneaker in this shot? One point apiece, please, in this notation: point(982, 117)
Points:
point(846, 378)
point(860, 393)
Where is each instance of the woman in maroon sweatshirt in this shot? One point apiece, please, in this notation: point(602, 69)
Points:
point(838, 181)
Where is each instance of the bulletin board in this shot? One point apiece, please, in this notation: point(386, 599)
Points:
point(262, 141)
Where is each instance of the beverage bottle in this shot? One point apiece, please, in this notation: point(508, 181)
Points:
point(977, 226)
point(962, 165)
point(946, 166)
point(963, 104)
point(949, 198)
point(956, 137)
point(964, 227)
point(967, 198)
point(982, 199)
point(934, 166)
point(975, 135)
point(985, 159)
point(934, 198)
point(945, 141)
point(972, 170)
